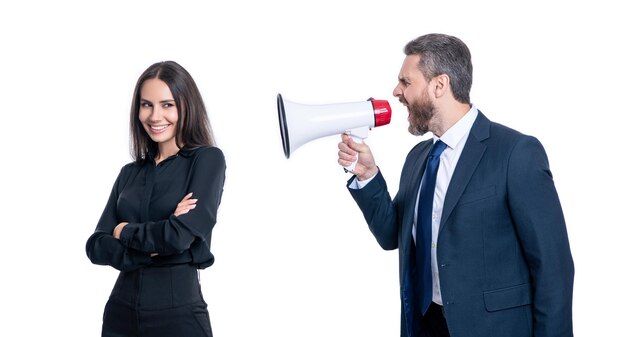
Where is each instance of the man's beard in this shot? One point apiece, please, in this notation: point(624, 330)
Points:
point(421, 112)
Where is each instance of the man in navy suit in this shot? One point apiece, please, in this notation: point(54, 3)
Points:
point(491, 257)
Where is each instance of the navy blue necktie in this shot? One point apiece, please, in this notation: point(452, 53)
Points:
point(423, 233)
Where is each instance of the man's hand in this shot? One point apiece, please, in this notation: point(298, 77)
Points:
point(366, 167)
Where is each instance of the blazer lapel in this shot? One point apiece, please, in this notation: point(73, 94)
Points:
point(471, 156)
point(415, 173)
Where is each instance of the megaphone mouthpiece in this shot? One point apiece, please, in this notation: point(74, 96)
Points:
point(382, 112)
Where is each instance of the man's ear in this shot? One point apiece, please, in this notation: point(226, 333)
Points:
point(442, 85)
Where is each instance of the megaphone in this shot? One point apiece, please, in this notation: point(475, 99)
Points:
point(301, 123)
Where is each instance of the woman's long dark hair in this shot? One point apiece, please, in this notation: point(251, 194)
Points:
point(193, 128)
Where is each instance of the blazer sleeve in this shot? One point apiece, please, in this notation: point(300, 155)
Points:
point(177, 233)
point(102, 248)
point(540, 225)
point(379, 210)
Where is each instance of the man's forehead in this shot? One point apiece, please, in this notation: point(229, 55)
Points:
point(409, 67)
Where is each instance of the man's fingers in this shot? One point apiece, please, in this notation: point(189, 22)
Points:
point(344, 156)
point(347, 148)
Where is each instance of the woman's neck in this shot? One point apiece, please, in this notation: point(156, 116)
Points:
point(166, 151)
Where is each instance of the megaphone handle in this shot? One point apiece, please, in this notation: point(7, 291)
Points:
point(353, 165)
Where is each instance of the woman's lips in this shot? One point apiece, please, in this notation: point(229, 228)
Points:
point(158, 128)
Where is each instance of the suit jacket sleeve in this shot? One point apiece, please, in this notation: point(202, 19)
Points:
point(379, 211)
point(540, 225)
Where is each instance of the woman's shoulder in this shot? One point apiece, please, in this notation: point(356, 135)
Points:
point(128, 171)
point(206, 154)
point(131, 168)
point(203, 151)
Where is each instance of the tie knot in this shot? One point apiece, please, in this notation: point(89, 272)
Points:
point(438, 148)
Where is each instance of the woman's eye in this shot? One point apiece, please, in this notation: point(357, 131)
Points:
point(168, 105)
point(145, 105)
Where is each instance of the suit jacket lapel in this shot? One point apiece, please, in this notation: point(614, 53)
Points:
point(416, 170)
point(471, 156)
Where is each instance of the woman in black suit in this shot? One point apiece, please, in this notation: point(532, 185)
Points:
point(156, 226)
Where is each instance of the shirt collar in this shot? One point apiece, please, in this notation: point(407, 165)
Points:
point(184, 151)
point(459, 130)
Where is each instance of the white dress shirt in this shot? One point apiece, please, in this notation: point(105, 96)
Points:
point(455, 139)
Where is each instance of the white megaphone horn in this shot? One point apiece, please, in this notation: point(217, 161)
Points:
point(301, 123)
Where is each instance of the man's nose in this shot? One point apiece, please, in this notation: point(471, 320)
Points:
point(397, 92)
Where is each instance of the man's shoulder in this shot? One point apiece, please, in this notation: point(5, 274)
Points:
point(498, 132)
point(505, 139)
point(502, 135)
point(501, 130)
point(484, 127)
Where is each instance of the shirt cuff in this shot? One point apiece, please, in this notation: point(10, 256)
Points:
point(127, 234)
point(357, 185)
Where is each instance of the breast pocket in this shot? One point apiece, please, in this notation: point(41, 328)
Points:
point(477, 195)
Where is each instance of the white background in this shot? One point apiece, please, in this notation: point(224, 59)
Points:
point(294, 256)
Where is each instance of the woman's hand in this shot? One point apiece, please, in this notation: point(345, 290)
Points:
point(117, 231)
point(185, 205)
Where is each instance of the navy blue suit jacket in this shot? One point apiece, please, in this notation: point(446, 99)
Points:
point(505, 265)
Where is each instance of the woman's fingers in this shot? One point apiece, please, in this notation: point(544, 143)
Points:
point(185, 205)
